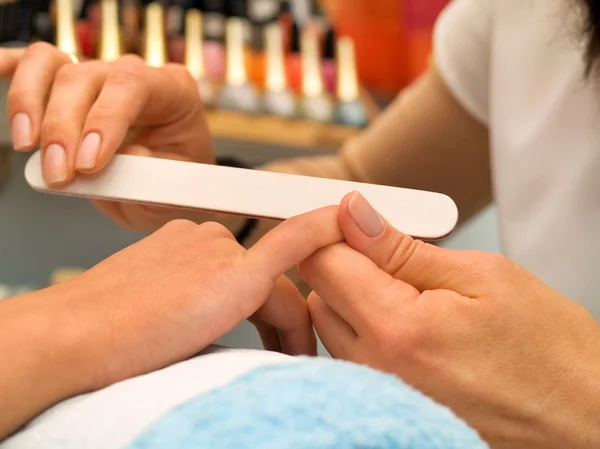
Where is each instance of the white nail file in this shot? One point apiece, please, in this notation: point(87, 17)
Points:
point(252, 193)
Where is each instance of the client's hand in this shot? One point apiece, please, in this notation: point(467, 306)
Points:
point(474, 331)
point(82, 114)
point(155, 303)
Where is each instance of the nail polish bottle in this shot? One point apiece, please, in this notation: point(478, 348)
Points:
point(175, 26)
point(155, 51)
point(111, 47)
point(293, 59)
point(194, 55)
point(315, 104)
point(239, 10)
point(301, 13)
point(87, 27)
point(175, 13)
point(329, 64)
point(213, 16)
point(284, 18)
point(261, 13)
point(277, 98)
point(66, 40)
point(43, 27)
point(131, 17)
point(350, 109)
point(237, 93)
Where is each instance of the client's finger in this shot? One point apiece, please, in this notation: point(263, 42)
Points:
point(354, 287)
point(294, 240)
point(29, 91)
point(283, 322)
point(337, 335)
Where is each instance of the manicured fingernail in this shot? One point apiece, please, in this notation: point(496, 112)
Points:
point(87, 156)
point(365, 216)
point(21, 131)
point(55, 164)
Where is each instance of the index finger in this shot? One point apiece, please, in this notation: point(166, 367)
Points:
point(294, 240)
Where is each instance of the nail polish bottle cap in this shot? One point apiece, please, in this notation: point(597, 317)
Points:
point(301, 10)
point(295, 40)
point(213, 6)
point(237, 8)
point(284, 7)
point(329, 46)
point(263, 11)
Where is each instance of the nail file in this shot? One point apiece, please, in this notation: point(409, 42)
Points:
point(251, 193)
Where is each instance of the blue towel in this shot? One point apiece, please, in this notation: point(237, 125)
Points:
point(312, 404)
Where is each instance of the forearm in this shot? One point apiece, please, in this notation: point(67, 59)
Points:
point(37, 365)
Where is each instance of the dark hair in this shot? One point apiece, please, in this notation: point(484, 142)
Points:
point(592, 33)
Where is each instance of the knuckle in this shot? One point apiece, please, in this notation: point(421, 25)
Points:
point(214, 228)
point(67, 74)
point(401, 248)
point(103, 113)
point(127, 70)
point(53, 125)
point(179, 226)
point(40, 48)
point(495, 265)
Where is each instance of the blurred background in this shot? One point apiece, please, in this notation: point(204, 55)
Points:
point(260, 65)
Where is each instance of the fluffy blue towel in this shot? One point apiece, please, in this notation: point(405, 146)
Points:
point(313, 404)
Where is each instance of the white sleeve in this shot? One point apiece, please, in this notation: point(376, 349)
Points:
point(462, 48)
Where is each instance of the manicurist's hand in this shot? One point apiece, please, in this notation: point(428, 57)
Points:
point(155, 303)
point(82, 114)
point(474, 331)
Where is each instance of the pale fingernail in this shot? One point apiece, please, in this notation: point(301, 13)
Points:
point(365, 216)
point(21, 131)
point(87, 156)
point(55, 164)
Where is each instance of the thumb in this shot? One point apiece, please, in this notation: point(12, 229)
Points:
point(421, 265)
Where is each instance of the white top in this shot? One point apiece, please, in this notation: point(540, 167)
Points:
point(113, 417)
point(518, 66)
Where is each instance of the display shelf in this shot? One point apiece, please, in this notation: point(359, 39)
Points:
point(277, 131)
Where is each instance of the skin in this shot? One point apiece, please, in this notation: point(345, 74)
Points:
point(155, 303)
point(475, 331)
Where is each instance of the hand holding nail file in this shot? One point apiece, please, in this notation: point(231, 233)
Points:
point(251, 193)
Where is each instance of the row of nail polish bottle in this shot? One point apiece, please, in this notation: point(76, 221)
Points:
point(277, 57)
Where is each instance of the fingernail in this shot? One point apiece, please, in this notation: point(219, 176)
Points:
point(365, 216)
point(55, 164)
point(87, 156)
point(21, 131)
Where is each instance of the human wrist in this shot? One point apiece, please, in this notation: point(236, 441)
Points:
point(62, 339)
point(42, 357)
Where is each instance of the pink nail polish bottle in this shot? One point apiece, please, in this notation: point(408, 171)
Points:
point(329, 65)
point(213, 15)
